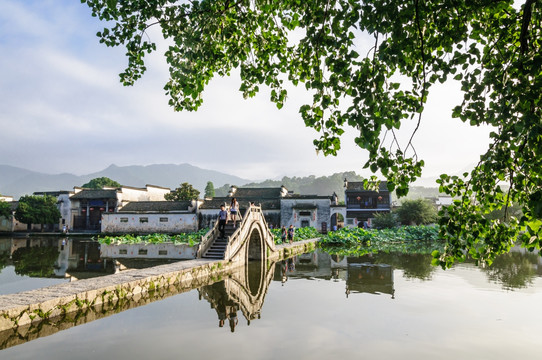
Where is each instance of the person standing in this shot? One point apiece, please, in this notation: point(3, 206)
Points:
point(234, 209)
point(283, 234)
point(291, 233)
point(222, 217)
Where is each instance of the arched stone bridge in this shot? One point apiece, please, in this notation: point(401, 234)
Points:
point(251, 240)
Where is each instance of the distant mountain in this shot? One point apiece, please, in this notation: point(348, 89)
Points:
point(327, 185)
point(16, 181)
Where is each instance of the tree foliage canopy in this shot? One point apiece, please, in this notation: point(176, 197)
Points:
point(184, 192)
point(416, 212)
point(210, 190)
point(493, 48)
point(99, 183)
point(33, 209)
point(5, 209)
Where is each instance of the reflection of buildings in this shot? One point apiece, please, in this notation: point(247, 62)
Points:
point(73, 255)
point(244, 290)
point(360, 274)
point(369, 278)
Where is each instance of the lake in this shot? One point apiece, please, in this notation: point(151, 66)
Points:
point(320, 306)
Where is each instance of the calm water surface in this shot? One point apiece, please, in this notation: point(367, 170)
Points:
point(320, 306)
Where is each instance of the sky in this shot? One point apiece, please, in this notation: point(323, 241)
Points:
point(63, 110)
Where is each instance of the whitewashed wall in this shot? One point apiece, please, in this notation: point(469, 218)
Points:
point(135, 223)
point(318, 215)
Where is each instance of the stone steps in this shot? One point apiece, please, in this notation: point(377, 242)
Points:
point(218, 248)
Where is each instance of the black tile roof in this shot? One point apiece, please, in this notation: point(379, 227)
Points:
point(215, 202)
point(298, 196)
point(258, 193)
point(95, 194)
point(267, 204)
point(356, 186)
point(155, 206)
point(53, 193)
point(304, 206)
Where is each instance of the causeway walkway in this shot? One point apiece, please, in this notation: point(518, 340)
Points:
point(115, 292)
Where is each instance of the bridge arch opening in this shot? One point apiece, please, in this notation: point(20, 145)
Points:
point(255, 246)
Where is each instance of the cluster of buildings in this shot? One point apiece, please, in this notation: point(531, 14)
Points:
point(144, 210)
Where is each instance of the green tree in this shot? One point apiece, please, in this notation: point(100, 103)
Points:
point(183, 192)
point(5, 209)
point(385, 221)
point(492, 48)
point(99, 183)
point(210, 190)
point(223, 190)
point(34, 209)
point(416, 212)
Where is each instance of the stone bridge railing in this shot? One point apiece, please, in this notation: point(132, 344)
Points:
point(207, 240)
point(253, 216)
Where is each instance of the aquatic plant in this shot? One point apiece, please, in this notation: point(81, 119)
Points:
point(300, 234)
point(191, 239)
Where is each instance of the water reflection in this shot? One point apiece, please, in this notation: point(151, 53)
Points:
point(373, 273)
point(240, 293)
point(243, 290)
point(60, 258)
point(45, 257)
point(515, 270)
point(363, 274)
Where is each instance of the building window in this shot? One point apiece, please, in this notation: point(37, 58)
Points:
point(350, 221)
point(304, 213)
point(123, 251)
point(123, 219)
point(142, 252)
point(144, 220)
point(164, 219)
point(162, 252)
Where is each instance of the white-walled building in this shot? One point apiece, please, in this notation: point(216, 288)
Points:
point(88, 205)
point(152, 217)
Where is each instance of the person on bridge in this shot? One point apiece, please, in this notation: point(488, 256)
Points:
point(283, 234)
point(234, 209)
point(291, 232)
point(222, 217)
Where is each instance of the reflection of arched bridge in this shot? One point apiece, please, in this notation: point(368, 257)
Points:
point(251, 240)
point(244, 290)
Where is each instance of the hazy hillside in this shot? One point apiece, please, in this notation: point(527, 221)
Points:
point(308, 185)
point(16, 182)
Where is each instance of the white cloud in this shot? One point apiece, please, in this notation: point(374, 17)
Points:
point(61, 97)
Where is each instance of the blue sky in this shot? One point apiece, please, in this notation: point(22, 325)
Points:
point(62, 109)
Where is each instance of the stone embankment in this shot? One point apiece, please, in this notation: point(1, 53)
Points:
point(31, 314)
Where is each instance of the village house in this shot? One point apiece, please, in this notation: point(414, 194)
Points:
point(362, 204)
point(10, 224)
point(267, 198)
point(152, 217)
point(280, 207)
point(88, 205)
point(306, 211)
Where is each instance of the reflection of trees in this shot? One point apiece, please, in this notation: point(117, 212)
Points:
point(414, 265)
point(514, 270)
point(35, 261)
point(4, 257)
